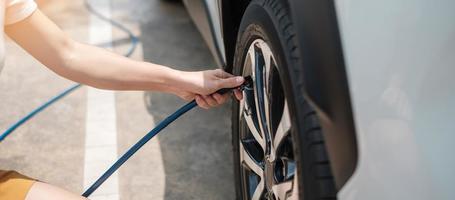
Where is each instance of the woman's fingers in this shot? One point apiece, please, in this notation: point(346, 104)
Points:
point(230, 82)
point(201, 102)
point(238, 94)
point(222, 74)
point(210, 100)
point(220, 99)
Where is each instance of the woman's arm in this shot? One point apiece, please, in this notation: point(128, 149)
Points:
point(100, 68)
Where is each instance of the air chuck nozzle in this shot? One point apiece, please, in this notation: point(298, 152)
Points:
point(248, 84)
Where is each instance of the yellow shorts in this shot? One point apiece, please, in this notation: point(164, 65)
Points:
point(14, 186)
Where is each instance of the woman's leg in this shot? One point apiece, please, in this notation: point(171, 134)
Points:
point(40, 191)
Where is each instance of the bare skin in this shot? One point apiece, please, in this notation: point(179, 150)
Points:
point(100, 68)
point(40, 191)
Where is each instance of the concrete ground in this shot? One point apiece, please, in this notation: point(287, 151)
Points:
point(191, 159)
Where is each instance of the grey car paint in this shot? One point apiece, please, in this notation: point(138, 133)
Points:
point(400, 61)
point(206, 15)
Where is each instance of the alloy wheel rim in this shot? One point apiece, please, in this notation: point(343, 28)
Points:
point(268, 168)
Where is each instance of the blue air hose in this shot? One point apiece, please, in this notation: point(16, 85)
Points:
point(133, 40)
point(37, 110)
point(138, 145)
point(163, 124)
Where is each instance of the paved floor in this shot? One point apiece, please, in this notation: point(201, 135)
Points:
point(189, 160)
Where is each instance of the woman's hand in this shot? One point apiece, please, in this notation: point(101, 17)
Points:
point(202, 85)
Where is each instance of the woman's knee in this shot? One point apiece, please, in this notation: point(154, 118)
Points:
point(41, 190)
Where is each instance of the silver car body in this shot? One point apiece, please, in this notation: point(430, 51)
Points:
point(400, 62)
point(207, 16)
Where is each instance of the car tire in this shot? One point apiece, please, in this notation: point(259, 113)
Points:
point(266, 31)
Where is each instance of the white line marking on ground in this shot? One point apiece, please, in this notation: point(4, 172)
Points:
point(101, 130)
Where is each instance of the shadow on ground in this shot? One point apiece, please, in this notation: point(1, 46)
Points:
point(196, 150)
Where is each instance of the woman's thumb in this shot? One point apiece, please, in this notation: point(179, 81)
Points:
point(231, 82)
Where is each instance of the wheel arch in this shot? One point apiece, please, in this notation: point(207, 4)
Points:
point(326, 82)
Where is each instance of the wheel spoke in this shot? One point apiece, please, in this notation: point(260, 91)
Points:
point(295, 189)
point(256, 167)
point(281, 190)
point(259, 85)
point(251, 125)
point(267, 56)
point(250, 162)
point(249, 114)
point(251, 57)
point(283, 128)
point(259, 190)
